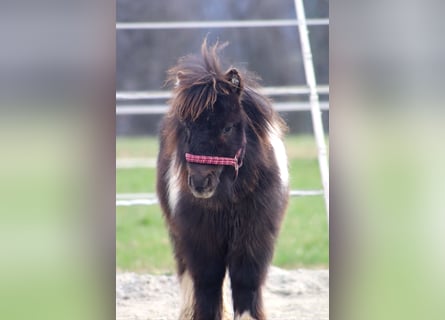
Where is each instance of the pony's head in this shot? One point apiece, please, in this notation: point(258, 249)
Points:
point(211, 133)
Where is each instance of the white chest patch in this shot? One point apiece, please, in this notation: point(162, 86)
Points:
point(173, 183)
point(280, 154)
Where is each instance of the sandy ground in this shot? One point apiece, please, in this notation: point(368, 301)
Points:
point(296, 294)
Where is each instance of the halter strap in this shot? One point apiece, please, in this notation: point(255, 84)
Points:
point(236, 162)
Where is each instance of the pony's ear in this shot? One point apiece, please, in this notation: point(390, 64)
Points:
point(235, 80)
point(179, 77)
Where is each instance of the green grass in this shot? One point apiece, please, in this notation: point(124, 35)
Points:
point(135, 180)
point(142, 242)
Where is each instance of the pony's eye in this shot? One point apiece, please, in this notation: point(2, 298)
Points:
point(227, 129)
point(187, 134)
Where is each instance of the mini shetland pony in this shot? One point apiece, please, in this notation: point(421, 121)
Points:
point(222, 181)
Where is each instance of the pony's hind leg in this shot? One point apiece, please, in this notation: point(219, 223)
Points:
point(227, 307)
point(187, 296)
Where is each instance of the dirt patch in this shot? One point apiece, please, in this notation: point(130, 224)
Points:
point(289, 294)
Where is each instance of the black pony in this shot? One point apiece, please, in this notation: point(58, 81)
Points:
point(222, 182)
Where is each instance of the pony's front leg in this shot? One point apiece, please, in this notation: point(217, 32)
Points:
point(208, 275)
point(246, 277)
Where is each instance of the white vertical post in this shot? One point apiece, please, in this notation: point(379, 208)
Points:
point(313, 98)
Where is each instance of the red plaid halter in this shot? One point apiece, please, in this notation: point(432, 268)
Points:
point(236, 162)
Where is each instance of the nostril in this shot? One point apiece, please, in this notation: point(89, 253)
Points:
point(207, 182)
point(190, 181)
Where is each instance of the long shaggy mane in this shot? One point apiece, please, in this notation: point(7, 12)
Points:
point(198, 80)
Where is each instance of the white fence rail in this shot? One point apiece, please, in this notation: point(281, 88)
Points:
point(269, 91)
point(147, 199)
point(162, 108)
point(313, 98)
point(218, 24)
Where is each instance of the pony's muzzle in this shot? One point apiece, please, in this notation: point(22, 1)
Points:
point(203, 180)
point(200, 184)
